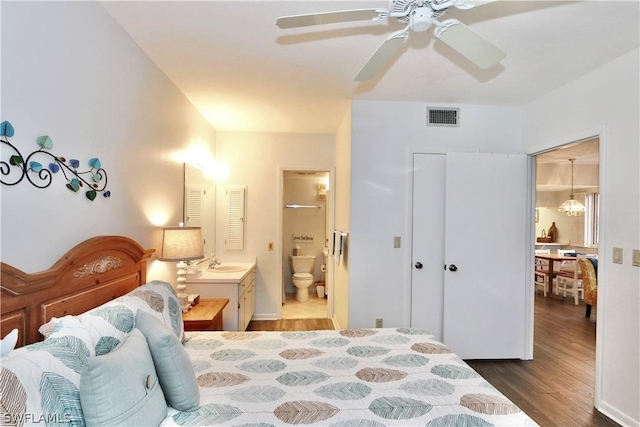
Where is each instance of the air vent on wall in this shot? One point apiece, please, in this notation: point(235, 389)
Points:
point(443, 116)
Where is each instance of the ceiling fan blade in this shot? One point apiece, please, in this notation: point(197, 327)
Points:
point(468, 4)
point(331, 17)
point(382, 55)
point(468, 43)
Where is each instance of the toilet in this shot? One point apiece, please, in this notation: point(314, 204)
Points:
point(302, 267)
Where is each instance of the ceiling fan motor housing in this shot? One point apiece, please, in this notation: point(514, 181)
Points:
point(421, 19)
point(417, 13)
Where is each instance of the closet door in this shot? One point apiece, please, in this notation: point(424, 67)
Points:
point(427, 275)
point(482, 257)
point(484, 294)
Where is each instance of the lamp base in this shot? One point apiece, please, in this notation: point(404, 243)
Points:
point(183, 300)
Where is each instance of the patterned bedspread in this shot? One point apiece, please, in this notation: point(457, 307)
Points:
point(360, 377)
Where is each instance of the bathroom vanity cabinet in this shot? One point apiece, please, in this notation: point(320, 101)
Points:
point(237, 286)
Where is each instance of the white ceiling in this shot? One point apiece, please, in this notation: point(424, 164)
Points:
point(553, 168)
point(584, 152)
point(245, 74)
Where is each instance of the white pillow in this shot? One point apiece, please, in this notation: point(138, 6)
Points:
point(9, 342)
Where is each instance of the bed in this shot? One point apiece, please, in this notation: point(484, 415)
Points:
point(81, 324)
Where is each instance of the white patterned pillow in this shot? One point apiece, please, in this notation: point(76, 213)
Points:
point(111, 323)
point(40, 381)
point(159, 299)
point(109, 326)
point(70, 326)
point(156, 297)
point(49, 327)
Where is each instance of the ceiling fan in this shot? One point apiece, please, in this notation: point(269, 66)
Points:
point(419, 16)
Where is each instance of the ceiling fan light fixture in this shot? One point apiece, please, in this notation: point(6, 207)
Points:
point(571, 206)
point(421, 19)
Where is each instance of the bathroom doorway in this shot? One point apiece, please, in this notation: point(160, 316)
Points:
point(305, 232)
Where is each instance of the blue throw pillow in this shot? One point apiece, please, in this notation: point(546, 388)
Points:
point(121, 388)
point(176, 375)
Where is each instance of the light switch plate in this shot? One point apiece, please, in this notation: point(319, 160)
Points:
point(617, 255)
point(636, 257)
point(396, 241)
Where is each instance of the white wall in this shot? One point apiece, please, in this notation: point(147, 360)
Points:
point(257, 161)
point(384, 134)
point(70, 72)
point(567, 227)
point(606, 100)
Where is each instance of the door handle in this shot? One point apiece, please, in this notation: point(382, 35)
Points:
point(453, 267)
point(418, 265)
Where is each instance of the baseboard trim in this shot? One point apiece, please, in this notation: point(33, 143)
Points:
point(617, 416)
point(265, 316)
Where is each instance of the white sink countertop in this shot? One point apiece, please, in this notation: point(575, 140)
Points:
point(235, 273)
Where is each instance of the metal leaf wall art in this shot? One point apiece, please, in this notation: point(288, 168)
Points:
point(40, 166)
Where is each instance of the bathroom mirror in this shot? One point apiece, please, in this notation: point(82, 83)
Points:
point(199, 206)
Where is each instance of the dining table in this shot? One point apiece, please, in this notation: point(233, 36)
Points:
point(552, 259)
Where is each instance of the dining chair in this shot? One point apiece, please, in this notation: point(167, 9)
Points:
point(567, 267)
point(567, 264)
point(541, 278)
point(569, 278)
point(589, 282)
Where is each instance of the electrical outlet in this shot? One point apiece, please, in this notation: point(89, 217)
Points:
point(636, 257)
point(617, 255)
point(270, 246)
point(379, 323)
point(397, 241)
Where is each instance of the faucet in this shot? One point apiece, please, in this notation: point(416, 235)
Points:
point(214, 262)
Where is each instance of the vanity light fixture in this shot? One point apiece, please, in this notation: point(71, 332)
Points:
point(571, 206)
point(182, 244)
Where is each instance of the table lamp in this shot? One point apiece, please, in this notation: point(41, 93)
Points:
point(181, 244)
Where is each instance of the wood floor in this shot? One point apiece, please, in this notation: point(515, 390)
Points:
point(290, 325)
point(556, 388)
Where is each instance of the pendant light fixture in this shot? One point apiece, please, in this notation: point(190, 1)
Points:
point(571, 206)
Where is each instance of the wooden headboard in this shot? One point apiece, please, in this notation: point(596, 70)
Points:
point(94, 272)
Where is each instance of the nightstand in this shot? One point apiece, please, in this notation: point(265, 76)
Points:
point(205, 316)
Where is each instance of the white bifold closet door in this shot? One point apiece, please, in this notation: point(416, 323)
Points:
point(469, 252)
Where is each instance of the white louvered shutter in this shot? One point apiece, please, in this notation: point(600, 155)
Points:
point(195, 213)
point(194, 205)
point(235, 222)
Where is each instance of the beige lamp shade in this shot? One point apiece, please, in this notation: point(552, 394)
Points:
point(181, 244)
